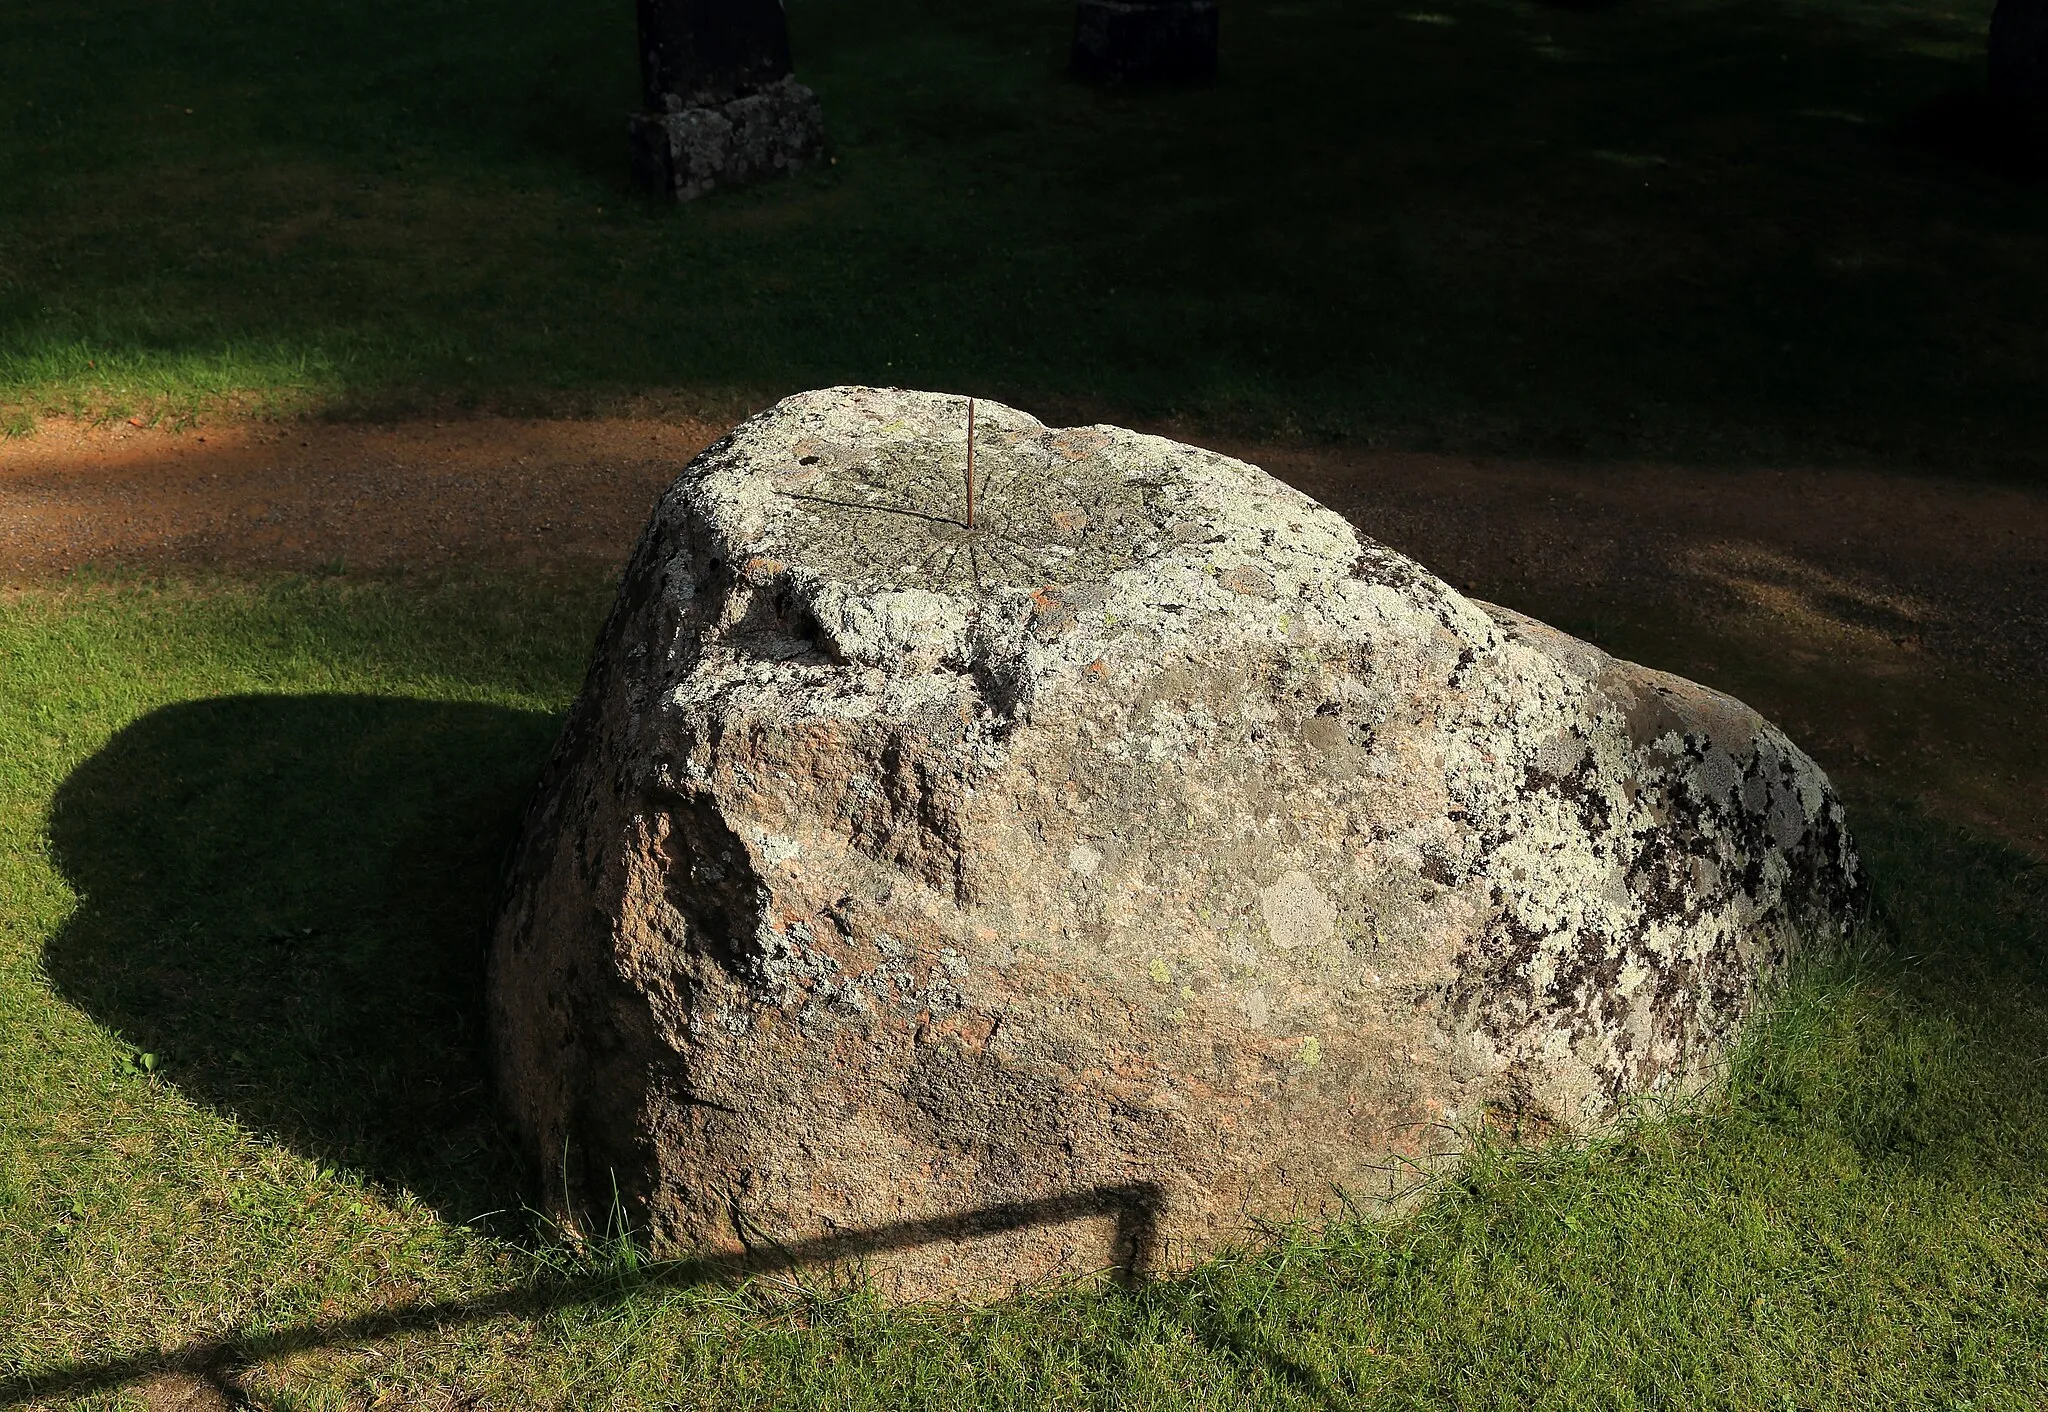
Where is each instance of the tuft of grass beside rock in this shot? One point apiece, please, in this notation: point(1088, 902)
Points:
point(248, 837)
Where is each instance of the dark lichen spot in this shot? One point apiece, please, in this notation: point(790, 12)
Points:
point(1439, 870)
point(1466, 657)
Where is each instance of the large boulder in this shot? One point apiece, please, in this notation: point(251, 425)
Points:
point(1069, 892)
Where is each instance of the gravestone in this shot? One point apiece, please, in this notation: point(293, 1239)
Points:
point(1073, 889)
point(1141, 40)
point(721, 104)
point(2018, 54)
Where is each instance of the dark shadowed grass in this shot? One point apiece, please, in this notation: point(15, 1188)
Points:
point(281, 900)
point(247, 840)
point(1726, 229)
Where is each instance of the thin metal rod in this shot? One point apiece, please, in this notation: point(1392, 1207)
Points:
point(970, 463)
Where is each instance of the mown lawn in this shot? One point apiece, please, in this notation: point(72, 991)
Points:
point(249, 831)
point(1712, 229)
point(248, 835)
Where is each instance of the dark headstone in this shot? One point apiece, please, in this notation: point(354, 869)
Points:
point(706, 52)
point(1159, 40)
point(2019, 53)
point(721, 104)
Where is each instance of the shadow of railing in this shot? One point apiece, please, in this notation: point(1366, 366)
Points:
point(1134, 1206)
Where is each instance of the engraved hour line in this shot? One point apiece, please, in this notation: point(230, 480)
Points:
point(970, 463)
point(998, 543)
point(1005, 550)
point(1020, 549)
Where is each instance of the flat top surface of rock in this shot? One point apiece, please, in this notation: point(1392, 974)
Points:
point(887, 507)
point(871, 491)
point(1089, 543)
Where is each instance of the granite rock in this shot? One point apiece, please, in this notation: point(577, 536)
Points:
point(1067, 894)
point(689, 150)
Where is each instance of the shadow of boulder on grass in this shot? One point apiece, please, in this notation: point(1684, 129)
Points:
point(284, 898)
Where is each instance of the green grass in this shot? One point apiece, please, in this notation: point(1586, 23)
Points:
point(250, 832)
point(1719, 229)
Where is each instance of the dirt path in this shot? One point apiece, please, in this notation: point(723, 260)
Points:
point(1898, 626)
point(429, 496)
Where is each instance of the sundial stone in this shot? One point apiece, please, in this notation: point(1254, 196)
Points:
point(986, 944)
point(1050, 508)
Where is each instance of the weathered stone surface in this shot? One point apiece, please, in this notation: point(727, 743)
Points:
point(688, 151)
point(1063, 894)
point(1164, 40)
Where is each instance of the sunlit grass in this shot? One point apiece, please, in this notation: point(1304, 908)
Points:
point(114, 377)
point(252, 832)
